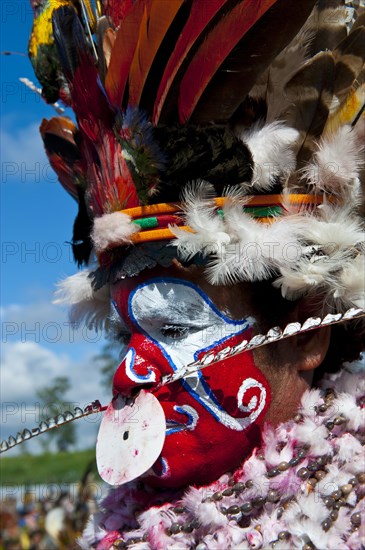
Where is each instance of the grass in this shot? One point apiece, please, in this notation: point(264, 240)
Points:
point(46, 468)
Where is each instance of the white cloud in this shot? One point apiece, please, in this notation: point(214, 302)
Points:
point(29, 366)
point(43, 322)
point(22, 152)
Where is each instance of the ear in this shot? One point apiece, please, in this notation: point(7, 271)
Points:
point(310, 347)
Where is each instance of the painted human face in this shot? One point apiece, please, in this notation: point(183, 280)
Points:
point(213, 417)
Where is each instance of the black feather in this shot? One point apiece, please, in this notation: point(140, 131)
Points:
point(211, 153)
point(81, 241)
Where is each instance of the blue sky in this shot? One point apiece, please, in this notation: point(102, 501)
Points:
point(36, 225)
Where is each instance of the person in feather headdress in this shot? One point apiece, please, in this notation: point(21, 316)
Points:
point(217, 162)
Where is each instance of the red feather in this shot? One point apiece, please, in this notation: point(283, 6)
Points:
point(117, 10)
point(123, 52)
point(156, 21)
point(214, 50)
point(200, 16)
point(64, 156)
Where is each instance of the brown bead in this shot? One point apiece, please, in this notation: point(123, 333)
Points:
point(246, 508)
point(326, 524)
point(307, 547)
point(179, 510)
point(234, 510)
point(272, 496)
point(334, 515)
point(330, 425)
point(258, 501)
point(249, 484)
point(312, 467)
point(322, 408)
point(294, 461)
point(312, 481)
point(361, 478)
point(356, 518)
point(273, 472)
point(302, 453)
point(303, 473)
point(336, 494)
point(260, 456)
point(279, 512)
point(320, 474)
point(217, 496)
point(346, 489)
point(340, 420)
point(353, 481)
point(336, 505)
point(283, 535)
point(175, 528)
point(329, 501)
point(187, 528)
point(283, 466)
point(321, 460)
point(298, 418)
point(227, 492)
point(238, 487)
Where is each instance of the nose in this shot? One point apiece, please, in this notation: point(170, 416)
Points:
point(138, 369)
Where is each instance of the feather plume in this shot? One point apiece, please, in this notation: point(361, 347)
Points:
point(336, 165)
point(349, 57)
point(59, 136)
point(105, 41)
point(87, 305)
point(227, 32)
point(196, 27)
point(200, 215)
point(346, 113)
point(270, 85)
point(272, 148)
point(254, 51)
point(122, 53)
point(157, 18)
point(311, 92)
point(328, 20)
point(111, 230)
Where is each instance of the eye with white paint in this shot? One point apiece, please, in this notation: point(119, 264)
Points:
point(175, 332)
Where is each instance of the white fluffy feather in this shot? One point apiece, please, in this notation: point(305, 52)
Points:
point(112, 229)
point(272, 149)
point(336, 165)
point(209, 234)
point(92, 307)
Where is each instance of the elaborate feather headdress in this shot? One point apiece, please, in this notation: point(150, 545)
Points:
point(230, 129)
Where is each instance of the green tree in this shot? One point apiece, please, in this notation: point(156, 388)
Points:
point(53, 404)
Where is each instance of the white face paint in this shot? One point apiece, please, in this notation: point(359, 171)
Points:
point(183, 322)
point(181, 319)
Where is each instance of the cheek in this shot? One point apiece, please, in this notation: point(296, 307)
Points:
point(227, 407)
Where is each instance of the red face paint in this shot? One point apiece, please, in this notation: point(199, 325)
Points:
point(213, 418)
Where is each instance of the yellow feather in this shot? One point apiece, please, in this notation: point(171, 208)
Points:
point(347, 112)
point(42, 26)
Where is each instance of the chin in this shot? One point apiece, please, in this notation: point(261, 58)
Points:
point(183, 462)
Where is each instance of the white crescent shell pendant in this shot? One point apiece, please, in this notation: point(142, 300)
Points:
point(130, 439)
